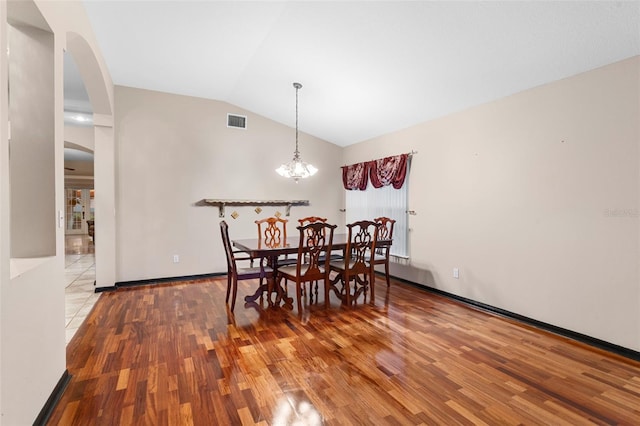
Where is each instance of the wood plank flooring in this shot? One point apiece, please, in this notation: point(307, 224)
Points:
point(169, 354)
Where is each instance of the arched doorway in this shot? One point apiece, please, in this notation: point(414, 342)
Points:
point(88, 129)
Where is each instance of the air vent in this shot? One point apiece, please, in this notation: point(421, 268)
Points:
point(237, 121)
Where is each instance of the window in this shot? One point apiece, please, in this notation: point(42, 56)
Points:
point(380, 188)
point(385, 201)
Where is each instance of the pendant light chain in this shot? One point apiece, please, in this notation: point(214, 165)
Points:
point(296, 168)
point(297, 86)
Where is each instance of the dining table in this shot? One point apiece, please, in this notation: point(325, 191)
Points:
point(272, 250)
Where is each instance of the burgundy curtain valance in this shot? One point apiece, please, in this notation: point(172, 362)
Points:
point(381, 172)
point(388, 171)
point(354, 177)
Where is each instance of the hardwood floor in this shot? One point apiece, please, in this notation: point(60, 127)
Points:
point(169, 355)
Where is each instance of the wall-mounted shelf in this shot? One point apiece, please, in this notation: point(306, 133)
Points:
point(222, 203)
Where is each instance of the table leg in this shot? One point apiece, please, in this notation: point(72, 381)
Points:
point(270, 286)
point(262, 288)
point(255, 296)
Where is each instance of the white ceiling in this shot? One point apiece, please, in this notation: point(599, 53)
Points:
point(367, 68)
point(77, 163)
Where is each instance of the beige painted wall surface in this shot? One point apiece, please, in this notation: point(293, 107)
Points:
point(535, 198)
point(32, 347)
point(33, 354)
point(173, 151)
point(82, 136)
point(31, 77)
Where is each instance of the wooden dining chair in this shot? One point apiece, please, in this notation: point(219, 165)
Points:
point(355, 267)
point(316, 240)
point(272, 230)
point(235, 274)
point(314, 219)
point(385, 232)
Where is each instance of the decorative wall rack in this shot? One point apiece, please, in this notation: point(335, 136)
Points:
point(222, 203)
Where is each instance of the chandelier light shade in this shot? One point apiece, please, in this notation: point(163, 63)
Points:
point(296, 168)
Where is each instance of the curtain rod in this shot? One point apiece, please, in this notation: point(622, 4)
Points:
point(410, 154)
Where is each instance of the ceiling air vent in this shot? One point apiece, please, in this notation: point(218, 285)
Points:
point(237, 121)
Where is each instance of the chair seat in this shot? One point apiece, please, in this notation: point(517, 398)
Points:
point(340, 265)
point(290, 270)
point(256, 272)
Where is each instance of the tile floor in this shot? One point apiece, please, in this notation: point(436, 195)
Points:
point(80, 274)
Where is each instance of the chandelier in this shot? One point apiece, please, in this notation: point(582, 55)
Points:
point(296, 168)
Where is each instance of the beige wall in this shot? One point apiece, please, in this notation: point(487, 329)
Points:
point(31, 111)
point(32, 305)
point(81, 136)
point(173, 151)
point(33, 338)
point(535, 198)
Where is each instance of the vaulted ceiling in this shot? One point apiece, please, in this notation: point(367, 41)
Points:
point(367, 68)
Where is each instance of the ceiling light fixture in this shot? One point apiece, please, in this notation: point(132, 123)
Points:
point(296, 168)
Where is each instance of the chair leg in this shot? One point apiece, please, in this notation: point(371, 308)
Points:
point(386, 272)
point(327, 283)
point(299, 296)
point(372, 284)
point(235, 292)
point(228, 288)
point(347, 289)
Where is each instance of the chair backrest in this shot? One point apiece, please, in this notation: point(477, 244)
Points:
point(226, 242)
point(312, 219)
point(315, 239)
point(272, 231)
point(362, 238)
point(385, 232)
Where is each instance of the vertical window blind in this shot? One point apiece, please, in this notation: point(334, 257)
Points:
point(385, 201)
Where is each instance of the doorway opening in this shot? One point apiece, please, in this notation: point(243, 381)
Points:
point(80, 260)
point(80, 211)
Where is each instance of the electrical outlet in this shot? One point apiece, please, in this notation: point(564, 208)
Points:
point(456, 273)
point(176, 258)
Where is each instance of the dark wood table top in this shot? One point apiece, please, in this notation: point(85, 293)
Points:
point(257, 247)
